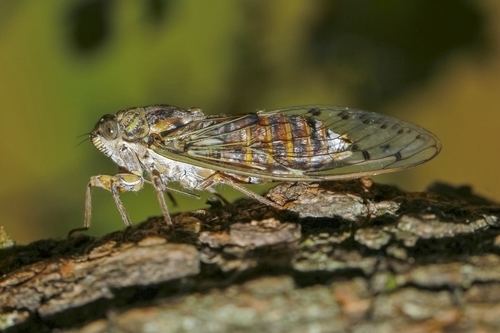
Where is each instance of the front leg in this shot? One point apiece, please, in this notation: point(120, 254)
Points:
point(122, 182)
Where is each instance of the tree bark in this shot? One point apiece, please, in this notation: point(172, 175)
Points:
point(353, 256)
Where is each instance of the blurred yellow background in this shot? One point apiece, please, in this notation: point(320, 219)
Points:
point(63, 64)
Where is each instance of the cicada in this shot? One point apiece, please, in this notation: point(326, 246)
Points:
point(161, 144)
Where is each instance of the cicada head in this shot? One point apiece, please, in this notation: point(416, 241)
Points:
point(116, 135)
point(106, 135)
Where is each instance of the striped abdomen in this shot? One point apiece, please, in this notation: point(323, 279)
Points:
point(271, 142)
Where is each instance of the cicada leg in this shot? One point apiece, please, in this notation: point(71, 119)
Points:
point(219, 178)
point(122, 182)
point(159, 188)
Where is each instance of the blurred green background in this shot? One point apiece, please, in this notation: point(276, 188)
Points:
point(65, 63)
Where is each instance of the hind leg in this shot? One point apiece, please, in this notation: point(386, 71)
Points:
point(220, 178)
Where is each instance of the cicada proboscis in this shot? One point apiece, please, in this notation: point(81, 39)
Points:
point(161, 144)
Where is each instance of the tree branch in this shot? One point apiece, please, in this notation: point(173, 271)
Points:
point(345, 255)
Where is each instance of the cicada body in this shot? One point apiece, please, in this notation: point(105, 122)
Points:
point(162, 144)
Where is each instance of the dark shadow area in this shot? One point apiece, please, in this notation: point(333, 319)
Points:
point(157, 10)
point(89, 25)
point(375, 50)
point(395, 44)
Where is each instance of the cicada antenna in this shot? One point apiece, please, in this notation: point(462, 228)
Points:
point(86, 138)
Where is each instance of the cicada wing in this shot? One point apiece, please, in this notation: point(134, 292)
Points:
point(379, 143)
point(338, 143)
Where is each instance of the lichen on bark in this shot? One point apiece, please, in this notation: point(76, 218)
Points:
point(346, 255)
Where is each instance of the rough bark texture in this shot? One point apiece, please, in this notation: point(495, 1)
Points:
point(345, 256)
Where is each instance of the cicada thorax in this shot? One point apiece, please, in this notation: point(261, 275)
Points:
point(166, 120)
point(275, 142)
point(133, 124)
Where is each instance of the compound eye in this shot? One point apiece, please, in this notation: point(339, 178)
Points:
point(108, 128)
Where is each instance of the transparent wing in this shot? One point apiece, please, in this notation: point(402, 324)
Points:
point(306, 143)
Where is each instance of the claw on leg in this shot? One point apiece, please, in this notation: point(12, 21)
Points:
point(217, 200)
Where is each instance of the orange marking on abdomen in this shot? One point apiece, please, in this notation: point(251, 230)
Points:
point(266, 137)
point(264, 124)
point(324, 139)
point(307, 131)
point(290, 147)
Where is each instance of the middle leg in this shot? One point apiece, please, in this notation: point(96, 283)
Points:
point(159, 188)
